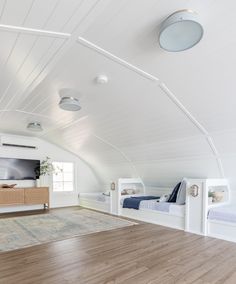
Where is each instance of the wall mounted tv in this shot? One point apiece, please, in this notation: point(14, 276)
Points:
point(19, 169)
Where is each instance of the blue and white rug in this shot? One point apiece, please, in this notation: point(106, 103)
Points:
point(19, 232)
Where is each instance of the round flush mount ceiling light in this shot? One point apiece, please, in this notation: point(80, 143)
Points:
point(180, 31)
point(69, 99)
point(35, 126)
point(69, 103)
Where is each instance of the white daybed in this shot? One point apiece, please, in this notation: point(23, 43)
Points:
point(163, 213)
point(95, 200)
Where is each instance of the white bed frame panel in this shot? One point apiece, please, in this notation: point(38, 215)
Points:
point(96, 205)
point(222, 230)
point(197, 206)
point(154, 217)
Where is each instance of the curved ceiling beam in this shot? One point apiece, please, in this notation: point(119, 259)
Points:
point(119, 151)
point(164, 88)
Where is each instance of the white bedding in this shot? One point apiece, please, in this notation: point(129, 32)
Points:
point(177, 210)
point(171, 208)
point(225, 213)
point(96, 196)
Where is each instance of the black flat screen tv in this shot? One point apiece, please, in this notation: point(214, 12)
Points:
point(19, 169)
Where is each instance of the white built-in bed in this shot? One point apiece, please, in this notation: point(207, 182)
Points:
point(152, 211)
point(200, 214)
point(166, 214)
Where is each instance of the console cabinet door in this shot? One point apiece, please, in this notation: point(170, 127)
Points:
point(11, 196)
point(37, 195)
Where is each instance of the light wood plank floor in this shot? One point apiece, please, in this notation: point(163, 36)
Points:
point(142, 254)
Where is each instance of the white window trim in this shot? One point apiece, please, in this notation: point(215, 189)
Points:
point(74, 179)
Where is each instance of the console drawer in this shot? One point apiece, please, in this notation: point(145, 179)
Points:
point(37, 195)
point(11, 196)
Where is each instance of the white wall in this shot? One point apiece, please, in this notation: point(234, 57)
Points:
point(85, 179)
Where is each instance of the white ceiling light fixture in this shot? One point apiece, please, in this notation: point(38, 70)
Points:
point(180, 31)
point(69, 104)
point(69, 99)
point(35, 126)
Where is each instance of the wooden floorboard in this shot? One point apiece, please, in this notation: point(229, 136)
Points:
point(139, 254)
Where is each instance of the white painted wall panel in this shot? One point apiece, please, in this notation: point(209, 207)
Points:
point(85, 179)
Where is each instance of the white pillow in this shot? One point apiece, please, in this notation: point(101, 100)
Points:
point(130, 191)
point(164, 198)
point(107, 193)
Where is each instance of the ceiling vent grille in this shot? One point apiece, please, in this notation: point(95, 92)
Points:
point(19, 146)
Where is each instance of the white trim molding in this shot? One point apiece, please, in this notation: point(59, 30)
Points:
point(39, 32)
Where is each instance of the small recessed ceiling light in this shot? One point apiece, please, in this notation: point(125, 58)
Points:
point(35, 126)
point(69, 103)
point(101, 79)
point(180, 31)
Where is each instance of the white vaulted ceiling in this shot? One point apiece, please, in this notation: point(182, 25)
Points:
point(161, 116)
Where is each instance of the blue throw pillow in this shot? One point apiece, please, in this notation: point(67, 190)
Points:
point(181, 196)
point(174, 193)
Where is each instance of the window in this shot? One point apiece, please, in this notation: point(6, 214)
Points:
point(63, 179)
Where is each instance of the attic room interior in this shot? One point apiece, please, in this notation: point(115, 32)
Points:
point(117, 142)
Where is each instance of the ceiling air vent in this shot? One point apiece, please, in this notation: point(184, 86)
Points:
point(19, 146)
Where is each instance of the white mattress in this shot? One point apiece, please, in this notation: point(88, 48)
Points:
point(225, 213)
point(171, 208)
point(177, 210)
point(95, 196)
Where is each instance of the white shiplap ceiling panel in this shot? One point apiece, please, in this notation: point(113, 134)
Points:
point(108, 162)
point(134, 125)
point(19, 123)
point(168, 172)
point(201, 77)
point(194, 147)
point(15, 12)
point(137, 108)
point(27, 56)
point(54, 15)
point(225, 141)
point(8, 40)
